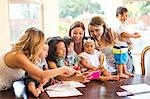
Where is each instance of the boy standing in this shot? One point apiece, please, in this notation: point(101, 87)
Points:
point(121, 44)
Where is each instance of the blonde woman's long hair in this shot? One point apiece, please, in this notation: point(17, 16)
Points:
point(30, 44)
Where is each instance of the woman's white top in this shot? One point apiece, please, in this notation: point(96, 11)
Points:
point(8, 75)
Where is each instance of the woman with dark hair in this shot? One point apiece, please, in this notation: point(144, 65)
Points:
point(77, 32)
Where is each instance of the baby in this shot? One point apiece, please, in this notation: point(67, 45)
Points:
point(93, 60)
point(33, 83)
point(72, 59)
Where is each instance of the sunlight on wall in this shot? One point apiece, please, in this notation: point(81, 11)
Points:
point(51, 16)
point(4, 27)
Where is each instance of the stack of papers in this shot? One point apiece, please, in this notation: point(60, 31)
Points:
point(140, 96)
point(64, 89)
point(64, 93)
point(137, 88)
point(137, 91)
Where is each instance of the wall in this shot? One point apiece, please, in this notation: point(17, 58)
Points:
point(4, 25)
point(51, 17)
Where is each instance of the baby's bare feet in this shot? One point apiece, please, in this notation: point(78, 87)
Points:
point(114, 77)
point(36, 92)
point(104, 78)
point(121, 75)
point(129, 74)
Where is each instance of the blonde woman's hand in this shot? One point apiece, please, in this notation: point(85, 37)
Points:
point(82, 77)
point(69, 71)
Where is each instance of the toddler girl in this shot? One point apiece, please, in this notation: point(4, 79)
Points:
point(92, 60)
point(32, 82)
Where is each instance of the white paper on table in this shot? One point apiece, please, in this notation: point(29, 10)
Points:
point(64, 93)
point(58, 87)
point(74, 84)
point(136, 88)
point(140, 96)
point(64, 85)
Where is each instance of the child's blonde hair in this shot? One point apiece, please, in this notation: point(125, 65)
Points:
point(30, 43)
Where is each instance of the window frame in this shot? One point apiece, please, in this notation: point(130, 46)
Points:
point(41, 16)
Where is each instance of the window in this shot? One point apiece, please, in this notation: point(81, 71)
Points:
point(71, 10)
point(139, 14)
point(22, 16)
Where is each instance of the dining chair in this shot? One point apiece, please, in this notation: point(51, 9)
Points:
point(20, 89)
point(145, 61)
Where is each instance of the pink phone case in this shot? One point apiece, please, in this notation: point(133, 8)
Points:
point(94, 75)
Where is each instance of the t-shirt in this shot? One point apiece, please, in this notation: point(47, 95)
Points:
point(119, 28)
point(92, 59)
point(72, 59)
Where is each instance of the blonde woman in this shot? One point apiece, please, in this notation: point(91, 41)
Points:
point(21, 57)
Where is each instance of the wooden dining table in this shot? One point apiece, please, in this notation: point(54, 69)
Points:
point(93, 89)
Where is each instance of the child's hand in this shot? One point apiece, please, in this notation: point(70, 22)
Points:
point(69, 71)
point(44, 81)
point(136, 35)
point(129, 42)
point(53, 81)
point(94, 68)
point(82, 77)
point(114, 77)
point(41, 87)
point(76, 67)
point(66, 63)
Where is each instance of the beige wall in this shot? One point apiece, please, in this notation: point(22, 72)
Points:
point(4, 26)
point(50, 17)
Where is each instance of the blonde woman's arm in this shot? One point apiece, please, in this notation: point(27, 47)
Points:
point(53, 65)
point(35, 78)
point(19, 60)
point(77, 77)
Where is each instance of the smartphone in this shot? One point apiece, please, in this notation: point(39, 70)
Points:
point(94, 75)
